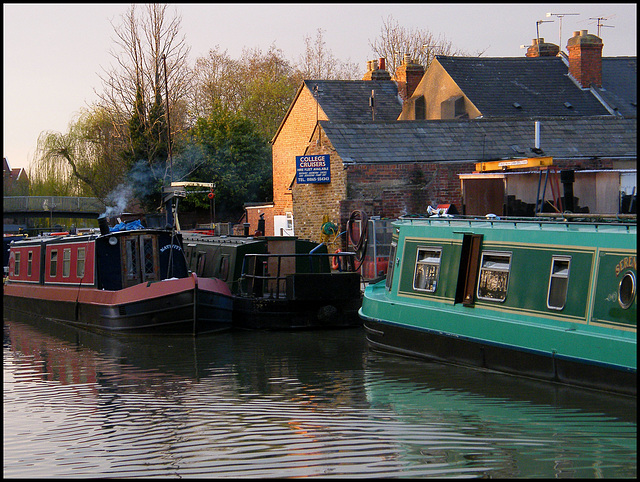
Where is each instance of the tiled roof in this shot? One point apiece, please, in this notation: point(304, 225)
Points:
point(620, 84)
point(539, 86)
point(348, 100)
point(482, 139)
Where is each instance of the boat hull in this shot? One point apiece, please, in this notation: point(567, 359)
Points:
point(175, 306)
point(448, 348)
point(274, 314)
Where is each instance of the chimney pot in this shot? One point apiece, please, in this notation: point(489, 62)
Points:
point(381, 62)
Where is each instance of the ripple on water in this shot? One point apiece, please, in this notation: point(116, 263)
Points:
point(290, 405)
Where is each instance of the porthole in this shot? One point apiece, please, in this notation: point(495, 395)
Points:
point(627, 290)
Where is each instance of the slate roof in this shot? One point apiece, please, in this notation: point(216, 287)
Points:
point(482, 139)
point(620, 84)
point(541, 86)
point(348, 100)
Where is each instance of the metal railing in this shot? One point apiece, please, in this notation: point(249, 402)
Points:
point(263, 275)
point(57, 204)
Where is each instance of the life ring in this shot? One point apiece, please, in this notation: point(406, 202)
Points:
point(335, 261)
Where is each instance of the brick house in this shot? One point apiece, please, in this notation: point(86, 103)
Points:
point(15, 182)
point(474, 110)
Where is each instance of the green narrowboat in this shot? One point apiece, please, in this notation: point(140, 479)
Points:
point(552, 299)
point(279, 282)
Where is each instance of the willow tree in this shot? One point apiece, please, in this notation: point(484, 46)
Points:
point(84, 161)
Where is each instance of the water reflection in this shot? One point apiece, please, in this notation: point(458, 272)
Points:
point(265, 404)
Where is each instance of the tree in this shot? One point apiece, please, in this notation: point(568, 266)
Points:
point(259, 86)
point(421, 45)
point(318, 62)
point(231, 154)
point(85, 161)
point(134, 92)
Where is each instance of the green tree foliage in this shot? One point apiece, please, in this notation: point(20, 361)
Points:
point(260, 85)
point(233, 155)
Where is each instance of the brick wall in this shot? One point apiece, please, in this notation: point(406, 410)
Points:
point(291, 141)
point(311, 202)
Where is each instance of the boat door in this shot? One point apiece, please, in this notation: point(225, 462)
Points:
point(139, 258)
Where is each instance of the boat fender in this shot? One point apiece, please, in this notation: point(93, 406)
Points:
point(335, 261)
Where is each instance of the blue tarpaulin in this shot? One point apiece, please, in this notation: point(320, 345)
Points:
point(127, 226)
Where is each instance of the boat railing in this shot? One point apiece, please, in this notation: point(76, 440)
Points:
point(265, 275)
point(569, 219)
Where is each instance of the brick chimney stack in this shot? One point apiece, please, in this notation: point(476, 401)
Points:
point(408, 76)
point(585, 58)
point(376, 70)
point(539, 48)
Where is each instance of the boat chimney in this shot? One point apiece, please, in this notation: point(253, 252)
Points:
point(103, 224)
point(537, 138)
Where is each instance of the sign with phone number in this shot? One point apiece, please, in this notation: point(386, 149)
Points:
point(313, 169)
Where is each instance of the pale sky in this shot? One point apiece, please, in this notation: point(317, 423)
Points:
point(53, 53)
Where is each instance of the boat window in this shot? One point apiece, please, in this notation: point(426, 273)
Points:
point(66, 262)
point(29, 263)
point(494, 276)
point(16, 265)
point(558, 282)
point(392, 263)
point(149, 265)
point(627, 290)
point(223, 272)
point(427, 269)
point(131, 258)
point(202, 259)
point(80, 263)
point(53, 264)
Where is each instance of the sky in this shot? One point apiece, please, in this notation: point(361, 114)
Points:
point(54, 53)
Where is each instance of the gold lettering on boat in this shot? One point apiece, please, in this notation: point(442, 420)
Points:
point(626, 262)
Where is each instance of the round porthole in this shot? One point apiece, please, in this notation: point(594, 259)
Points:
point(113, 241)
point(627, 290)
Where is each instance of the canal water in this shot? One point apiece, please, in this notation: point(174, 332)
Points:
point(303, 404)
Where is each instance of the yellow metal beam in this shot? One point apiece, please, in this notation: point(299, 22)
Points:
point(192, 184)
point(514, 164)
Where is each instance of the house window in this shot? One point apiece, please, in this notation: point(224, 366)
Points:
point(494, 276)
point(558, 282)
point(392, 263)
point(53, 264)
point(16, 265)
point(289, 217)
point(29, 263)
point(427, 269)
point(420, 108)
point(80, 263)
point(66, 262)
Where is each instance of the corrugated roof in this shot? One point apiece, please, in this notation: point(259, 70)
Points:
point(482, 139)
